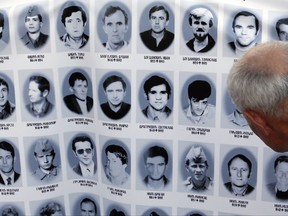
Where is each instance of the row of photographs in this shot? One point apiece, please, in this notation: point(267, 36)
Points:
point(243, 28)
point(156, 98)
point(44, 160)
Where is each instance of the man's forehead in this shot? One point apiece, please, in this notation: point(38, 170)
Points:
point(159, 13)
point(199, 100)
point(3, 86)
point(32, 17)
point(155, 158)
point(75, 13)
point(115, 84)
point(82, 143)
point(4, 151)
point(157, 87)
point(245, 20)
point(118, 13)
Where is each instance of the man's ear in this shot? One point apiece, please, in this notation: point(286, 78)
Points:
point(258, 122)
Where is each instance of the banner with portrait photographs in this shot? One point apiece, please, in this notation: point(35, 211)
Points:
point(121, 108)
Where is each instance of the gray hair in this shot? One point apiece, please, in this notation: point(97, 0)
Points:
point(259, 80)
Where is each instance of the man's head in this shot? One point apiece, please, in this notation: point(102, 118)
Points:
point(33, 20)
point(88, 207)
point(44, 154)
point(198, 93)
point(156, 160)
point(39, 88)
point(196, 163)
point(258, 84)
point(4, 92)
point(83, 149)
point(74, 20)
point(1, 24)
point(239, 169)
point(159, 18)
point(245, 26)
point(117, 160)
point(201, 21)
point(157, 92)
point(115, 24)
point(115, 90)
point(282, 29)
point(7, 158)
point(9, 211)
point(281, 172)
point(78, 85)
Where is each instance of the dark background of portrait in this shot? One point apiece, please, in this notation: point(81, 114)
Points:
point(75, 200)
point(19, 206)
point(24, 78)
point(184, 148)
point(229, 13)
point(32, 164)
point(109, 205)
point(37, 205)
point(142, 147)
point(20, 19)
point(229, 151)
point(99, 24)
point(61, 28)
point(72, 160)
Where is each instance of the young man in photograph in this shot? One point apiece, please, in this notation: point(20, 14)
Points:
point(6, 107)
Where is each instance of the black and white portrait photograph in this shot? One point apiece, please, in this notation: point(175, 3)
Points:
point(196, 167)
point(155, 97)
point(72, 25)
point(231, 116)
point(278, 26)
point(200, 24)
point(112, 208)
point(7, 97)
point(33, 27)
point(5, 46)
point(10, 168)
point(38, 95)
point(114, 26)
point(156, 27)
point(275, 172)
point(81, 155)
point(153, 211)
point(114, 93)
point(12, 209)
point(84, 204)
point(239, 171)
point(43, 160)
point(154, 167)
point(198, 99)
point(193, 212)
point(77, 91)
point(116, 161)
point(243, 30)
point(51, 207)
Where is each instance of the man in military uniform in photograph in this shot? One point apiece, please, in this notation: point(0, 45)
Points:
point(34, 38)
point(44, 155)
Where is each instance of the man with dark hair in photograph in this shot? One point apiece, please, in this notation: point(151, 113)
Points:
point(3, 44)
point(196, 164)
point(44, 155)
point(88, 207)
point(78, 102)
point(115, 90)
point(116, 164)
point(74, 20)
point(38, 91)
point(6, 107)
point(34, 38)
point(239, 169)
point(158, 38)
point(201, 21)
point(8, 175)
point(199, 111)
point(280, 188)
point(246, 27)
point(157, 92)
point(282, 29)
point(83, 149)
point(9, 211)
point(115, 25)
point(115, 212)
point(52, 209)
point(156, 160)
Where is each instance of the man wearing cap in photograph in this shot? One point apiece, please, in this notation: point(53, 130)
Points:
point(196, 164)
point(34, 38)
point(44, 154)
